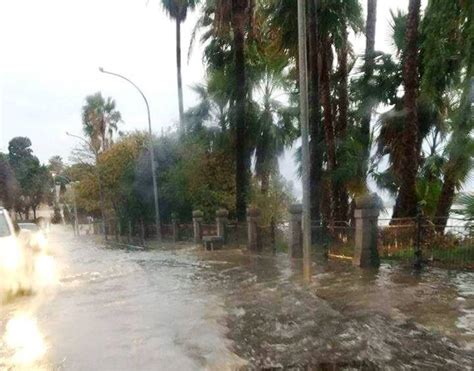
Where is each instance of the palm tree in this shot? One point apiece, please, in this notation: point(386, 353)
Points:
point(314, 117)
point(178, 10)
point(227, 23)
point(448, 70)
point(407, 197)
point(334, 32)
point(368, 73)
point(99, 121)
point(239, 20)
point(276, 130)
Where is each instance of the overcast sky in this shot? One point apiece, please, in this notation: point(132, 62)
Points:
point(51, 51)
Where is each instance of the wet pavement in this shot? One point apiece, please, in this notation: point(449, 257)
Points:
point(182, 308)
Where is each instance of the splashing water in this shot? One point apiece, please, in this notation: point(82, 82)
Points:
point(45, 272)
point(24, 339)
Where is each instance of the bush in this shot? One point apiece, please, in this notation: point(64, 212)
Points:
point(56, 219)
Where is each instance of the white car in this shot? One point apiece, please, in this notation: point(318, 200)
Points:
point(16, 262)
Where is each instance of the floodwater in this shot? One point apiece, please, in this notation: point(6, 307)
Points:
point(181, 308)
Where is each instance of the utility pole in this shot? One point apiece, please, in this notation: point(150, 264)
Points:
point(152, 153)
point(303, 77)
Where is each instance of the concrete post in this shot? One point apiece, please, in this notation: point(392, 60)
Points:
point(253, 240)
point(295, 248)
point(197, 222)
point(174, 225)
point(221, 222)
point(366, 218)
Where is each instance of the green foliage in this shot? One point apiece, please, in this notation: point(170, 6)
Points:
point(178, 9)
point(273, 203)
point(33, 179)
point(8, 183)
point(466, 201)
point(99, 121)
point(56, 218)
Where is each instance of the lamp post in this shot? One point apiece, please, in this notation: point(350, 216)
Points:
point(99, 180)
point(152, 154)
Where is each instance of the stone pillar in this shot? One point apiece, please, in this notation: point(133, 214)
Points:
point(174, 226)
point(197, 222)
point(366, 218)
point(221, 222)
point(295, 248)
point(253, 217)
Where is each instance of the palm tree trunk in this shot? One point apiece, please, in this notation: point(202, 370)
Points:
point(180, 82)
point(445, 201)
point(265, 182)
point(328, 115)
point(316, 132)
point(242, 158)
point(340, 190)
point(408, 198)
point(369, 71)
point(343, 103)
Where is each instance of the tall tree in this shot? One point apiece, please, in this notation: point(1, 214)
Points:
point(407, 195)
point(33, 178)
point(8, 183)
point(178, 10)
point(99, 121)
point(448, 67)
point(56, 164)
point(228, 25)
point(369, 61)
point(240, 16)
point(276, 130)
point(316, 132)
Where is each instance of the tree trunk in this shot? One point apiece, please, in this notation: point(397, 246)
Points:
point(316, 145)
point(180, 83)
point(408, 198)
point(445, 201)
point(458, 166)
point(343, 99)
point(340, 190)
point(369, 71)
point(328, 115)
point(242, 159)
point(265, 182)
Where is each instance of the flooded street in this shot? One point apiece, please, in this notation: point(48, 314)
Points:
point(186, 309)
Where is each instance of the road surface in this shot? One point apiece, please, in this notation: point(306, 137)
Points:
point(181, 308)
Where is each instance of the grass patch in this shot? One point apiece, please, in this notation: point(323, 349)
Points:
point(458, 257)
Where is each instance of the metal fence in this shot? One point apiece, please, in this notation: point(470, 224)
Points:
point(446, 242)
point(336, 239)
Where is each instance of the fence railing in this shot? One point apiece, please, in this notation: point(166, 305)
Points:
point(447, 242)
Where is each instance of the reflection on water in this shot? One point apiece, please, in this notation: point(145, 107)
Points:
point(23, 340)
point(347, 317)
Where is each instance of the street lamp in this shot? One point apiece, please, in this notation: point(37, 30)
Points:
point(152, 154)
point(76, 225)
point(99, 180)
